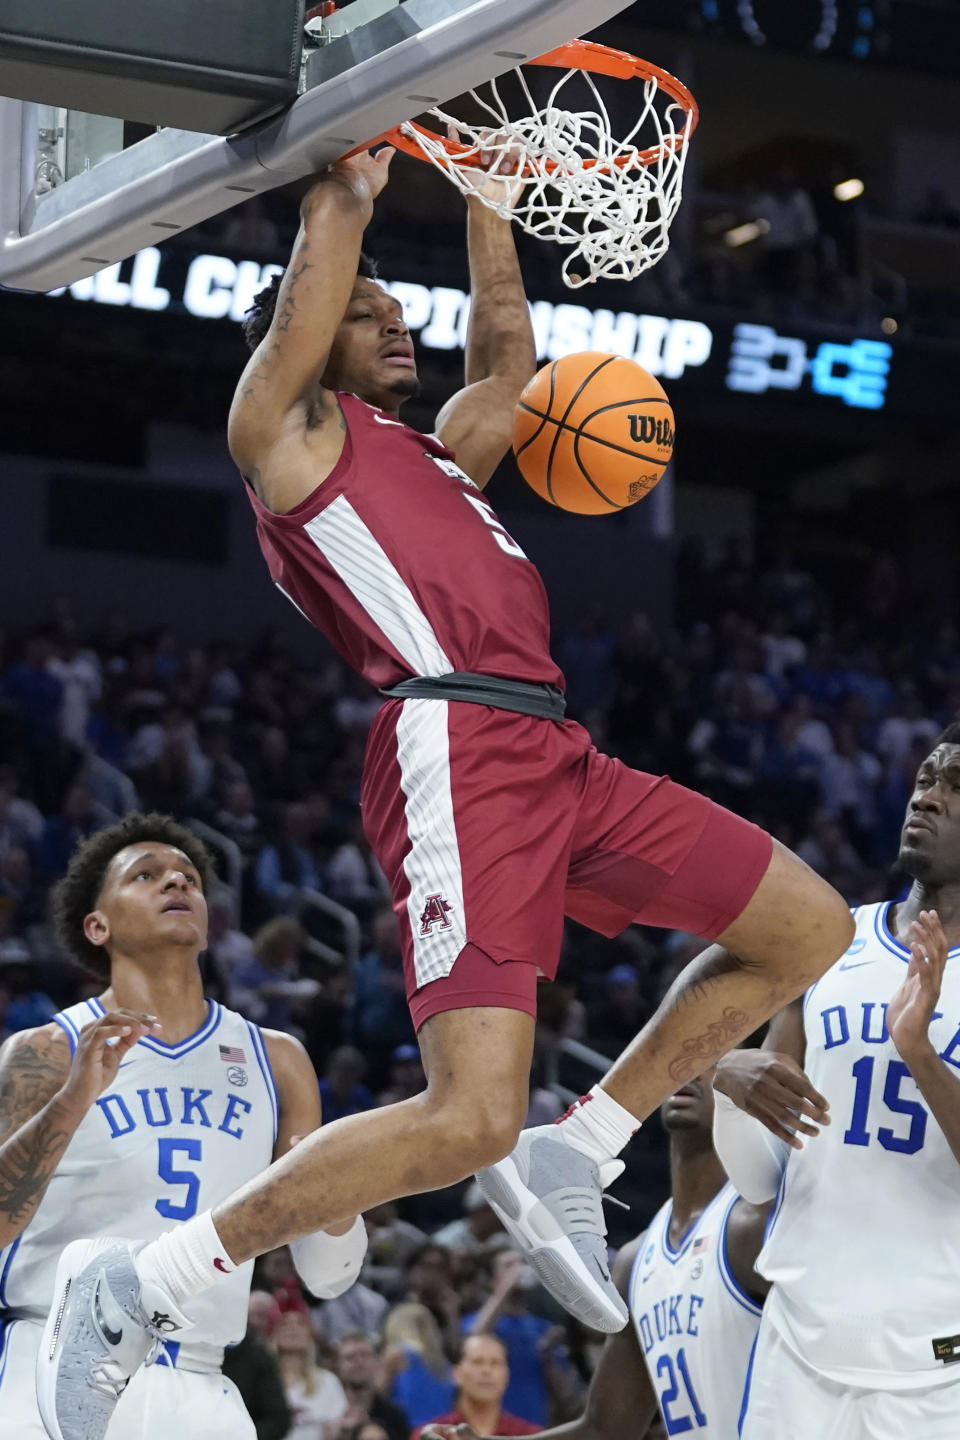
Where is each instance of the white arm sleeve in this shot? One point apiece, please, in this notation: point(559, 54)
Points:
point(753, 1158)
point(329, 1264)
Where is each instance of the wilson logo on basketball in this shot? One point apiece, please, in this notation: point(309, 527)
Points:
point(644, 429)
point(435, 912)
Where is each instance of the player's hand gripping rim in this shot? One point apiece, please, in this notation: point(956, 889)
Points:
point(773, 1088)
point(499, 176)
point(363, 172)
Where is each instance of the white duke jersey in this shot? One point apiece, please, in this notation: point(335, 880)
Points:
point(863, 1243)
point(696, 1327)
point(178, 1130)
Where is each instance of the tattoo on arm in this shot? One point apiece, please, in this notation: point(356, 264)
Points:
point(33, 1066)
point(281, 323)
point(32, 1137)
point(259, 370)
point(282, 320)
point(27, 1164)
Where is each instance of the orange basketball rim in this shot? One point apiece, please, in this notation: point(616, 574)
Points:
point(592, 59)
point(609, 200)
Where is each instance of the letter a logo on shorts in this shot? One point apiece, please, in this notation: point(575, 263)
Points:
point(435, 912)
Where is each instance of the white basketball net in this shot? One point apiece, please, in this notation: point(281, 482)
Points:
point(615, 212)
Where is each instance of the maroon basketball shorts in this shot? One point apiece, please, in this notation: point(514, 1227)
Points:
point(491, 826)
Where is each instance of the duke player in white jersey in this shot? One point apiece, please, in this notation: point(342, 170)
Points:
point(861, 1331)
point(694, 1297)
point(143, 1105)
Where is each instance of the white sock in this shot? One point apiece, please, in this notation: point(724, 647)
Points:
point(185, 1261)
point(597, 1125)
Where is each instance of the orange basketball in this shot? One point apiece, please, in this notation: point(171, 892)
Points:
point(593, 433)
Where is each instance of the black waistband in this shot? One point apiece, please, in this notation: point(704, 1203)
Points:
point(544, 701)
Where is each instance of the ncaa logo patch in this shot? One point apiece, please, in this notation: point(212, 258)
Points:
point(237, 1076)
point(857, 946)
point(436, 911)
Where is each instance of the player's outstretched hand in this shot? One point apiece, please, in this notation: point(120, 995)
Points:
point(99, 1053)
point(509, 1270)
point(774, 1089)
point(448, 1432)
point(911, 1009)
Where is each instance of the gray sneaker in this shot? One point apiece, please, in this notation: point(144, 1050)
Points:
point(549, 1197)
point(103, 1326)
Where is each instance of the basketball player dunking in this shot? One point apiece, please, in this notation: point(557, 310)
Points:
point(861, 1331)
point(134, 1110)
point(489, 814)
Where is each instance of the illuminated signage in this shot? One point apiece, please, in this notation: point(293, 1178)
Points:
point(761, 360)
point(217, 288)
point(664, 347)
point(758, 359)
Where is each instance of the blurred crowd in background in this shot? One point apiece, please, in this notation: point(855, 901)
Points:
point(759, 697)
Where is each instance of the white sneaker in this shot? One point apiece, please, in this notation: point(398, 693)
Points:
point(549, 1196)
point(103, 1326)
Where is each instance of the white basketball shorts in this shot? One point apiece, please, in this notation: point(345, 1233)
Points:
point(788, 1400)
point(159, 1401)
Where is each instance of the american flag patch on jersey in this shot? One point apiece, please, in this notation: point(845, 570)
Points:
point(700, 1245)
point(233, 1055)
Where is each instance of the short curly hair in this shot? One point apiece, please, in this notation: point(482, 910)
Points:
point(256, 321)
point(78, 892)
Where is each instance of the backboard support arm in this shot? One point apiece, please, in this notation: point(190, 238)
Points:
point(357, 86)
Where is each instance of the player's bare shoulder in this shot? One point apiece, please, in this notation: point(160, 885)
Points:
point(33, 1066)
point(297, 455)
point(288, 1056)
point(297, 1095)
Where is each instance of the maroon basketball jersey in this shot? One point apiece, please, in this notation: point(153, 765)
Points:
point(398, 559)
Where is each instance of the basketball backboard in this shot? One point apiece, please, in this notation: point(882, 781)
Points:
point(73, 199)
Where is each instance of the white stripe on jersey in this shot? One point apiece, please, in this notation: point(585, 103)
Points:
point(266, 1070)
point(432, 865)
point(695, 1326)
point(364, 567)
point(70, 1030)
